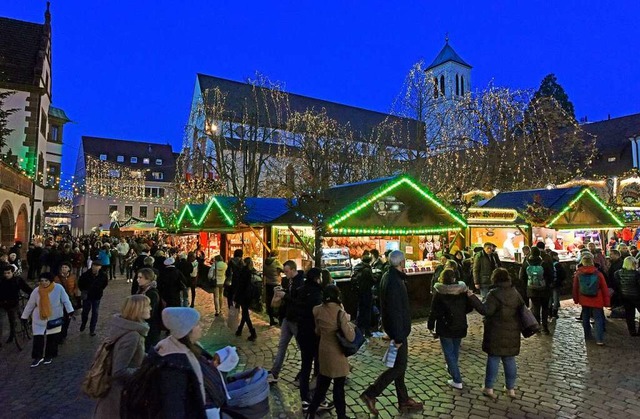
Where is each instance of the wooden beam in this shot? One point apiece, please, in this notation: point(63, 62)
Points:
point(266, 246)
point(527, 237)
point(304, 245)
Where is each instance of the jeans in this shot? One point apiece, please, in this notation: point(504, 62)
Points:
point(288, 329)
point(246, 318)
point(92, 306)
point(338, 395)
point(365, 305)
point(308, 343)
point(217, 298)
point(269, 296)
point(451, 350)
point(554, 301)
point(11, 315)
point(630, 305)
point(44, 346)
point(510, 371)
point(541, 305)
point(184, 297)
point(121, 263)
point(598, 316)
point(395, 374)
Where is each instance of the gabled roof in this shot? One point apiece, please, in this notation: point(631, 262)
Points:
point(361, 121)
point(59, 114)
point(20, 43)
point(95, 146)
point(612, 140)
point(553, 199)
point(447, 54)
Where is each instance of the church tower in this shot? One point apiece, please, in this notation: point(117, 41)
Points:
point(450, 74)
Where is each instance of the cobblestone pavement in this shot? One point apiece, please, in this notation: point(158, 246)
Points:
point(558, 375)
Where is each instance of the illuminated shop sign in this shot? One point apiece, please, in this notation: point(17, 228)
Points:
point(485, 215)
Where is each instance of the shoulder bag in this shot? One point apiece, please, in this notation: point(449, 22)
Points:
point(349, 347)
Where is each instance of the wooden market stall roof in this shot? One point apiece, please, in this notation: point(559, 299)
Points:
point(559, 208)
point(396, 205)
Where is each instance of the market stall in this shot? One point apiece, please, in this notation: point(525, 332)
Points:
point(504, 227)
point(395, 213)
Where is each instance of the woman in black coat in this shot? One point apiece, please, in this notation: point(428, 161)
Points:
point(449, 317)
point(501, 339)
point(243, 297)
point(148, 286)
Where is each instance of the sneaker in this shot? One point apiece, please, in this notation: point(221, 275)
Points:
point(600, 343)
point(272, 378)
point(305, 406)
point(453, 384)
point(325, 405)
point(48, 361)
point(36, 362)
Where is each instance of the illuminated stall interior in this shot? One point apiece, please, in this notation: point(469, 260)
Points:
point(395, 213)
point(505, 228)
point(562, 218)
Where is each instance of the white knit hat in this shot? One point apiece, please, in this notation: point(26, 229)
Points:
point(228, 358)
point(180, 320)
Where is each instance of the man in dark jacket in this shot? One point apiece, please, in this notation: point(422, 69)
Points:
point(294, 279)
point(362, 281)
point(10, 287)
point(483, 266)
point(171, 282)
point(92, 284)
point(138, 264)
point(234, 267)
point(309, 296)
point(396, 319)
point(539, 292)
point(615, 264)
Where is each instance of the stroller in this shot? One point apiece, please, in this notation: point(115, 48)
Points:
point(249, 395)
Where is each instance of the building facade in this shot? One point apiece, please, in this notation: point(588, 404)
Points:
point(121, 180)
point(30, 158)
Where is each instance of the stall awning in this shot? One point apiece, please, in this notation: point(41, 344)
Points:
point(560, 208)
point(395, 206)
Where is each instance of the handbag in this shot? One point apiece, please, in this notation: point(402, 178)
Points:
point(349, 347)
point(529, 326)
point(52, 324)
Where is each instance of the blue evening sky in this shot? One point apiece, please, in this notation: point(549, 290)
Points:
point(126, 69)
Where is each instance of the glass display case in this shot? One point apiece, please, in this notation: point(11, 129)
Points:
point(337, 262)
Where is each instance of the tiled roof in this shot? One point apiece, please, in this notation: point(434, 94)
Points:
point(113, 148)
point(361, 121)
point(59, 114)
point(19, 46)
point(447, 54)
point(612, 140)
point(554, 199)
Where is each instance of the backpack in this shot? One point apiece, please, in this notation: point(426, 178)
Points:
point(535, 277)
point(589, 284)
point(97, 381)
point(139, 398)
point(355, 278)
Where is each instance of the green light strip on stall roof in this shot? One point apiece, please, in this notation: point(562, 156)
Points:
point(159, 221)
point(391, 187)
point(224, 213)
point(183, 213)
point(595, 199)
point(382, 231)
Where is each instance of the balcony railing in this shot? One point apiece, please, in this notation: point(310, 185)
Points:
point(14, 181)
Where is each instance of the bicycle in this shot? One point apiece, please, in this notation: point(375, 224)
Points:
point(23, 332)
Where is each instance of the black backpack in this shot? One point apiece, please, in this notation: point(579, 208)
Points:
point(140, 394)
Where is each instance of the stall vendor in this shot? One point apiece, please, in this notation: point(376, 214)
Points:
point(508, 248)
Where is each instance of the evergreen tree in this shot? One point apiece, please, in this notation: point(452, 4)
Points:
point(551, 88)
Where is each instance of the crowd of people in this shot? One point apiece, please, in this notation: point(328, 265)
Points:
point(159, 325)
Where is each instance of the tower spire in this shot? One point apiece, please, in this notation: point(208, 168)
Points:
point(47, 15)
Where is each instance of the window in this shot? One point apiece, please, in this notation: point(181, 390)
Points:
point(120, 159)
point(43, 124)
point(128, 211)
point(143, 211)
point(55, 132)
point(160, 192)
point(114, 173)
point(435, 87)
point(457, 86)
point(145, 160)
point(611, 159)
point(103, 157)
point(53, 171)
point(158, 162)
point(441, 85)
point(462, 85)
point(112, 208)
point(157, 175)
point(156, 210)
point(134, 159)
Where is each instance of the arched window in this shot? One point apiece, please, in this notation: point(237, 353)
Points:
point(435, 87)
point(441, 85)
point(462, 85)
point(457, 86)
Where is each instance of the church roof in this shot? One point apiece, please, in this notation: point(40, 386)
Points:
point(447, 54)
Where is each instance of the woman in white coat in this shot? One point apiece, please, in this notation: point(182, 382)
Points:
point(45, 306)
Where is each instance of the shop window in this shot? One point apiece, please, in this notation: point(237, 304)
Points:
point(120, 159)
point(103, 157)
point(128, 211)
point(143, 211)
point(134, 159)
